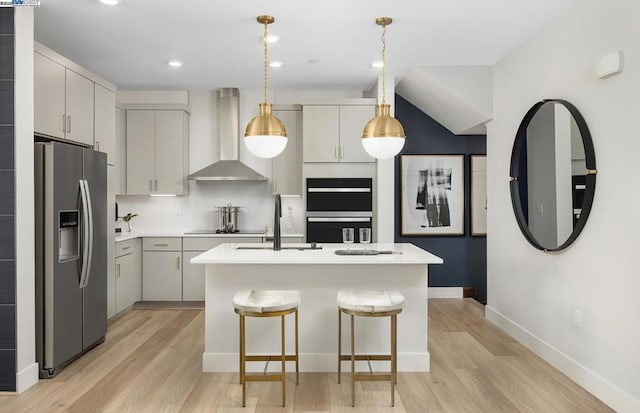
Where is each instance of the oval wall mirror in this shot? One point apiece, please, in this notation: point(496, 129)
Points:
point(553, 174)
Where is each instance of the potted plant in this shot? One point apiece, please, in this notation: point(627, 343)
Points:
point(127, 219)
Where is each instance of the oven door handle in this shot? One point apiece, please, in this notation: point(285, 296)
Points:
point(338, 219)
point(338, 189)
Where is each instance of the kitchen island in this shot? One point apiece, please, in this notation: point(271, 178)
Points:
point(318, 274)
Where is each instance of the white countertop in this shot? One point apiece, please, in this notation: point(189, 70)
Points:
point(124, 236)
point(228, 254)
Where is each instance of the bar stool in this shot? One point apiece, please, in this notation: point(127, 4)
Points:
point(370, 304)
point(266, 303)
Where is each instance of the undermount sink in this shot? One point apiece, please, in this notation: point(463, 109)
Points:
point(270, 247)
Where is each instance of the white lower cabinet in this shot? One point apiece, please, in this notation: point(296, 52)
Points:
point(192, 278)
point(162, 269)
point(193, 275)
point(128, 274)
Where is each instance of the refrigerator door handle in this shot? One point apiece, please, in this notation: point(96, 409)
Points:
point(85, 233)
point(90, 217)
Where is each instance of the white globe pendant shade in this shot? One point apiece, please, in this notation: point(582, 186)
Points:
point(383, 148)
point(265, 146)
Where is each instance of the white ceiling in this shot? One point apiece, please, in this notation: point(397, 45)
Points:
point(220, 40)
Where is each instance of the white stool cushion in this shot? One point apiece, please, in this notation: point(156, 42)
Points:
point(370, 301)
point(265, 301)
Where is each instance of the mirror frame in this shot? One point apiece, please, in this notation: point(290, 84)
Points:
point(590, 156)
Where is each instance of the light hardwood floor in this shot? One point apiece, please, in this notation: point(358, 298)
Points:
point(151, 362)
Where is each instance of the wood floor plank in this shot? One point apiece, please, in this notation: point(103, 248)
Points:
point(152, 362)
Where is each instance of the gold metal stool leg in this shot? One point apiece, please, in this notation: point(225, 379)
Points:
point(393, 359)
point(353, 366)
point(243, 379)
point(297, 357)
point(339, 343)
point(284, 377)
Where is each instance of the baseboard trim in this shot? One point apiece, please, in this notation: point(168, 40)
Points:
point(445, 292)
point(588, 379)
point(27, 377)
point(313, 362)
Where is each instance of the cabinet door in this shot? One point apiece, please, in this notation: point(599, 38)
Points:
point(105, 122)
point(79, 108)
point(140, 152)
point(48, 97)
point(170, 151)
point(352, 122)
point(192, 278)
point(287, 167)
point(162, 276)
point(320, 133)
point(124, 282)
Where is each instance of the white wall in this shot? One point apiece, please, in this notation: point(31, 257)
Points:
point(26, 367)
point(534, 294)
point(197, 209)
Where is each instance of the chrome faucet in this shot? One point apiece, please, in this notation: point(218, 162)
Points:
point(277, 246)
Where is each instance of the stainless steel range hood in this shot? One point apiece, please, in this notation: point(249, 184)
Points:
point(228, 168)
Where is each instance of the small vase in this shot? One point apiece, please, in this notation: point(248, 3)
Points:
point(128, 226)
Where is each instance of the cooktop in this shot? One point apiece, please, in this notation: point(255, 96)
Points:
point(217, 231)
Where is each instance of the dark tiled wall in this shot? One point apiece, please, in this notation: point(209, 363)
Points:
point(7, 206)
point(465, 258)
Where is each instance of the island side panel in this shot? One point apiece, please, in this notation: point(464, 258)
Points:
point(318, 323)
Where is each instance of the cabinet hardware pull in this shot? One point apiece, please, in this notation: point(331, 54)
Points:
point(125, 248)
point(98, 146)
point(335, 152)
point(150, 184)
point(177, 263)
point(161, 245)
point(118, 271)
point(68, 124)
point(64, 123)
point(155, 185)
point(275, 186)
point(341, 151)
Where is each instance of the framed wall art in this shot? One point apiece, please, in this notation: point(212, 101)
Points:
point(478, 195)
point(432, 195)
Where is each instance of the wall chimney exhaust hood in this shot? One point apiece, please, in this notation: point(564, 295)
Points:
point(228, 168)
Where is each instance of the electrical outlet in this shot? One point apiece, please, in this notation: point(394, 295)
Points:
point(540, 209)
point(577, 318)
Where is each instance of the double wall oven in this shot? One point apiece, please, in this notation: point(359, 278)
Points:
point(336, 203)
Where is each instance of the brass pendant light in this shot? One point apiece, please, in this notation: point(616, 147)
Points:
point(383, 136)
point(265, 136)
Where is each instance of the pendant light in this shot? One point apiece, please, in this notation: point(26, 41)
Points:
point(383, 136)
point(265, 136)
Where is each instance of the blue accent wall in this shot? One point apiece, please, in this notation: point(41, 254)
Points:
point(7, 206)
point(465, 257)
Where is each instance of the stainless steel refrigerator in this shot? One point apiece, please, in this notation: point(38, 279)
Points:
point(71, 253)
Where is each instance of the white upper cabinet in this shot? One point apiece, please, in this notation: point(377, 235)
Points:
point(332, 133)
point(157, 150)
point(352, 122)
point(49, 95)
point(287, 167)
point(72, 103)
point(63, 102)
point(79, 108)
point(105, 123)
point(321, 125)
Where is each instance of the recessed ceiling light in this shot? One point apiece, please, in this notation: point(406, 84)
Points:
point(271, 38)
point(110, 2)
point(175, 63)
point(377, 65)
point(275, 63)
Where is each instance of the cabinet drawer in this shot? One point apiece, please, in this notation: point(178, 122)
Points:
point(162, 244)
point(206, 243)
point(125, 247)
